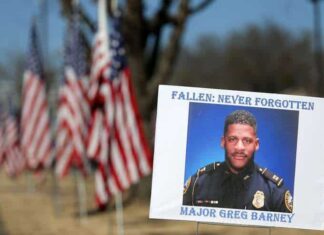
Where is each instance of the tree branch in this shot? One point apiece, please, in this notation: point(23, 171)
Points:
point(202, 5)
point(135, 34)
point(168, 58)
point(67, 10)
point(161, 17)
point(154, 27)
point(86, 19)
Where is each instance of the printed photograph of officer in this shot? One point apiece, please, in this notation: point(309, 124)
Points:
point(254, 166)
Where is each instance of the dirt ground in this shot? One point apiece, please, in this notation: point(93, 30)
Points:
point(28, 208)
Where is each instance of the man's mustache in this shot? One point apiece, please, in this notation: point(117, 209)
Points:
point(239, 153)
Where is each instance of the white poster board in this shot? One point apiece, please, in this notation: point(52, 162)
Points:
point(189, 128)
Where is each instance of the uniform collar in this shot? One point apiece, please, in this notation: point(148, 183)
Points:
point(244, 174)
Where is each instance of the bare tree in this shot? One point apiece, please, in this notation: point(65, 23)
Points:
point(264, 58)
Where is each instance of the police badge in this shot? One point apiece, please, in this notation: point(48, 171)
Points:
point(288, 201)
point(258, 200)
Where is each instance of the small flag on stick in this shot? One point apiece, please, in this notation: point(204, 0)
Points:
point(14, 161)
point(116, 140)
point(73, 109)
point(35, 125)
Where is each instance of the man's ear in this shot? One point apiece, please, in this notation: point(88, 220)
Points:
point(257, 144)
point(222, 141)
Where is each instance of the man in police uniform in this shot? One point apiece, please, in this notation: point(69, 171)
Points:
point(238, 182)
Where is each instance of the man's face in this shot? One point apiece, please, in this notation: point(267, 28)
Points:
point(240, 142)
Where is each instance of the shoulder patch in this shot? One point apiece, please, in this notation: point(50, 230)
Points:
point(271, 176)
point(288, 201)
point(187, 185)
point(208, 168)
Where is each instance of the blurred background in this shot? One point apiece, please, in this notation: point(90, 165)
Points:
point(263, 46)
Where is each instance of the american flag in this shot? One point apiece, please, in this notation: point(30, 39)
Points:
point(14, 161)
point(35, 124)
point(100, 96)
point(121, 150)
point(73, 109)
point(130, 157)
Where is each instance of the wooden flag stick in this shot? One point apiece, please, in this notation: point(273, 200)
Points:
point(197, 228)
point(81, 194)
point(110, 223)
point(56, 194)
point(119, 213)
point(30, 182)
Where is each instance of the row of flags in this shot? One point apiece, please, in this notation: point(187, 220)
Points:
point(98, 119)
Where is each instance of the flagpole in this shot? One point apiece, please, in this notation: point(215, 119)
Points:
point(30, 182)
point(56, 193)
point(197, 229)
point(43, 16)
point(102, 28)
point(114, 6)
point(119, 213)
point(119, 195)
point(81, 194)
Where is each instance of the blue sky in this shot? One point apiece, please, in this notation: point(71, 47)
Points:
point(221, 18)
point(228, 15)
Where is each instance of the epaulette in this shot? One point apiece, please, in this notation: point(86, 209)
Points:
point(208, 168)
point(271, 176)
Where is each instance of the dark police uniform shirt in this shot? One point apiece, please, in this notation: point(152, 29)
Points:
point(255, 188)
